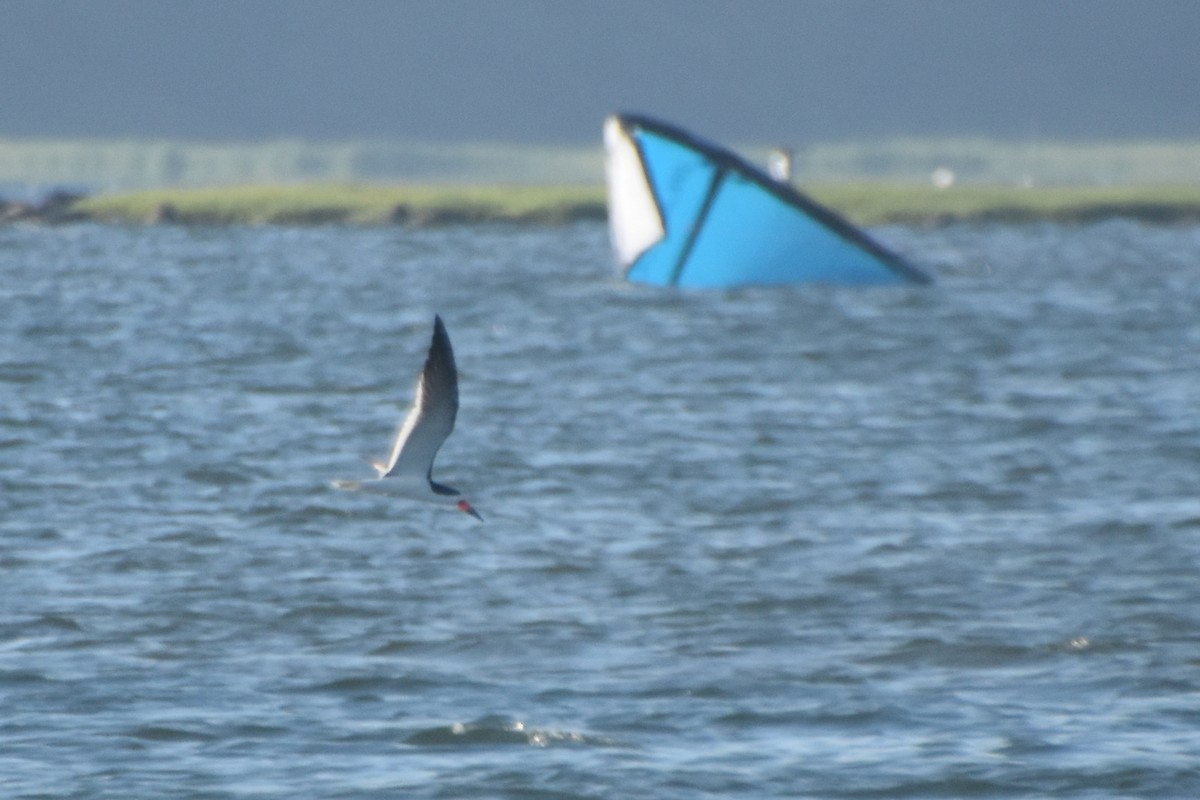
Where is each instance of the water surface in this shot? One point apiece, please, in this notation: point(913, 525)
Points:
point(815, 542)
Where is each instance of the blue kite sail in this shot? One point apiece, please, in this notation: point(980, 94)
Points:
point(685, 212)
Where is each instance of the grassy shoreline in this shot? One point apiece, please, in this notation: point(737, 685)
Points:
point(349, 204)
point(425, 205)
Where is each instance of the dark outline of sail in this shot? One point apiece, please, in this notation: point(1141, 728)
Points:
point(725, 163)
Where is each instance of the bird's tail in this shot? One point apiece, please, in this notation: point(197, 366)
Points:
point(379, 466)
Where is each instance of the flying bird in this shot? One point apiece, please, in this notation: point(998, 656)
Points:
point(409, 469)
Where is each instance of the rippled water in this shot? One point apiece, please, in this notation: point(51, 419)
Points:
point(930, 542)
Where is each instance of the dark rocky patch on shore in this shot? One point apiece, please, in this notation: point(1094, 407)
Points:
point(56, 207)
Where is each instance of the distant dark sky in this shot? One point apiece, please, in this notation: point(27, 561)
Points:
point(550, 70)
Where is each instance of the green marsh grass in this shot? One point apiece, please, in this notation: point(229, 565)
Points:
point(351, 204)
point(880, 203)
point(862, 203)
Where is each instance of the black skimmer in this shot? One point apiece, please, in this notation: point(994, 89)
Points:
point(409, 468)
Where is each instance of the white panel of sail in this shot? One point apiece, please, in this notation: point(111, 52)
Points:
point(634, 220)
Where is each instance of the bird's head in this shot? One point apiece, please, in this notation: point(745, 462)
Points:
point(465, 506)
point(460, 501)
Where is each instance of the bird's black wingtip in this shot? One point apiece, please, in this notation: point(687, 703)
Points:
point(439, 330)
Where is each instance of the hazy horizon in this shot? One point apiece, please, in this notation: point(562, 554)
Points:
point(544, 72)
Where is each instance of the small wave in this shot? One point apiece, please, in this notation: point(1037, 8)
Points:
point(168, 733)
point(21, 372)
point(395, 646)
point(194, 537)
point(292, 514)
point(18, 677)
point(491, 731)
point(58, 622)
point(964, 654)
point(216, 476)
point(329, 610)
point(363, 686)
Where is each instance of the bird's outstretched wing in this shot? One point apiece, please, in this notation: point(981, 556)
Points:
point(431, 418)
